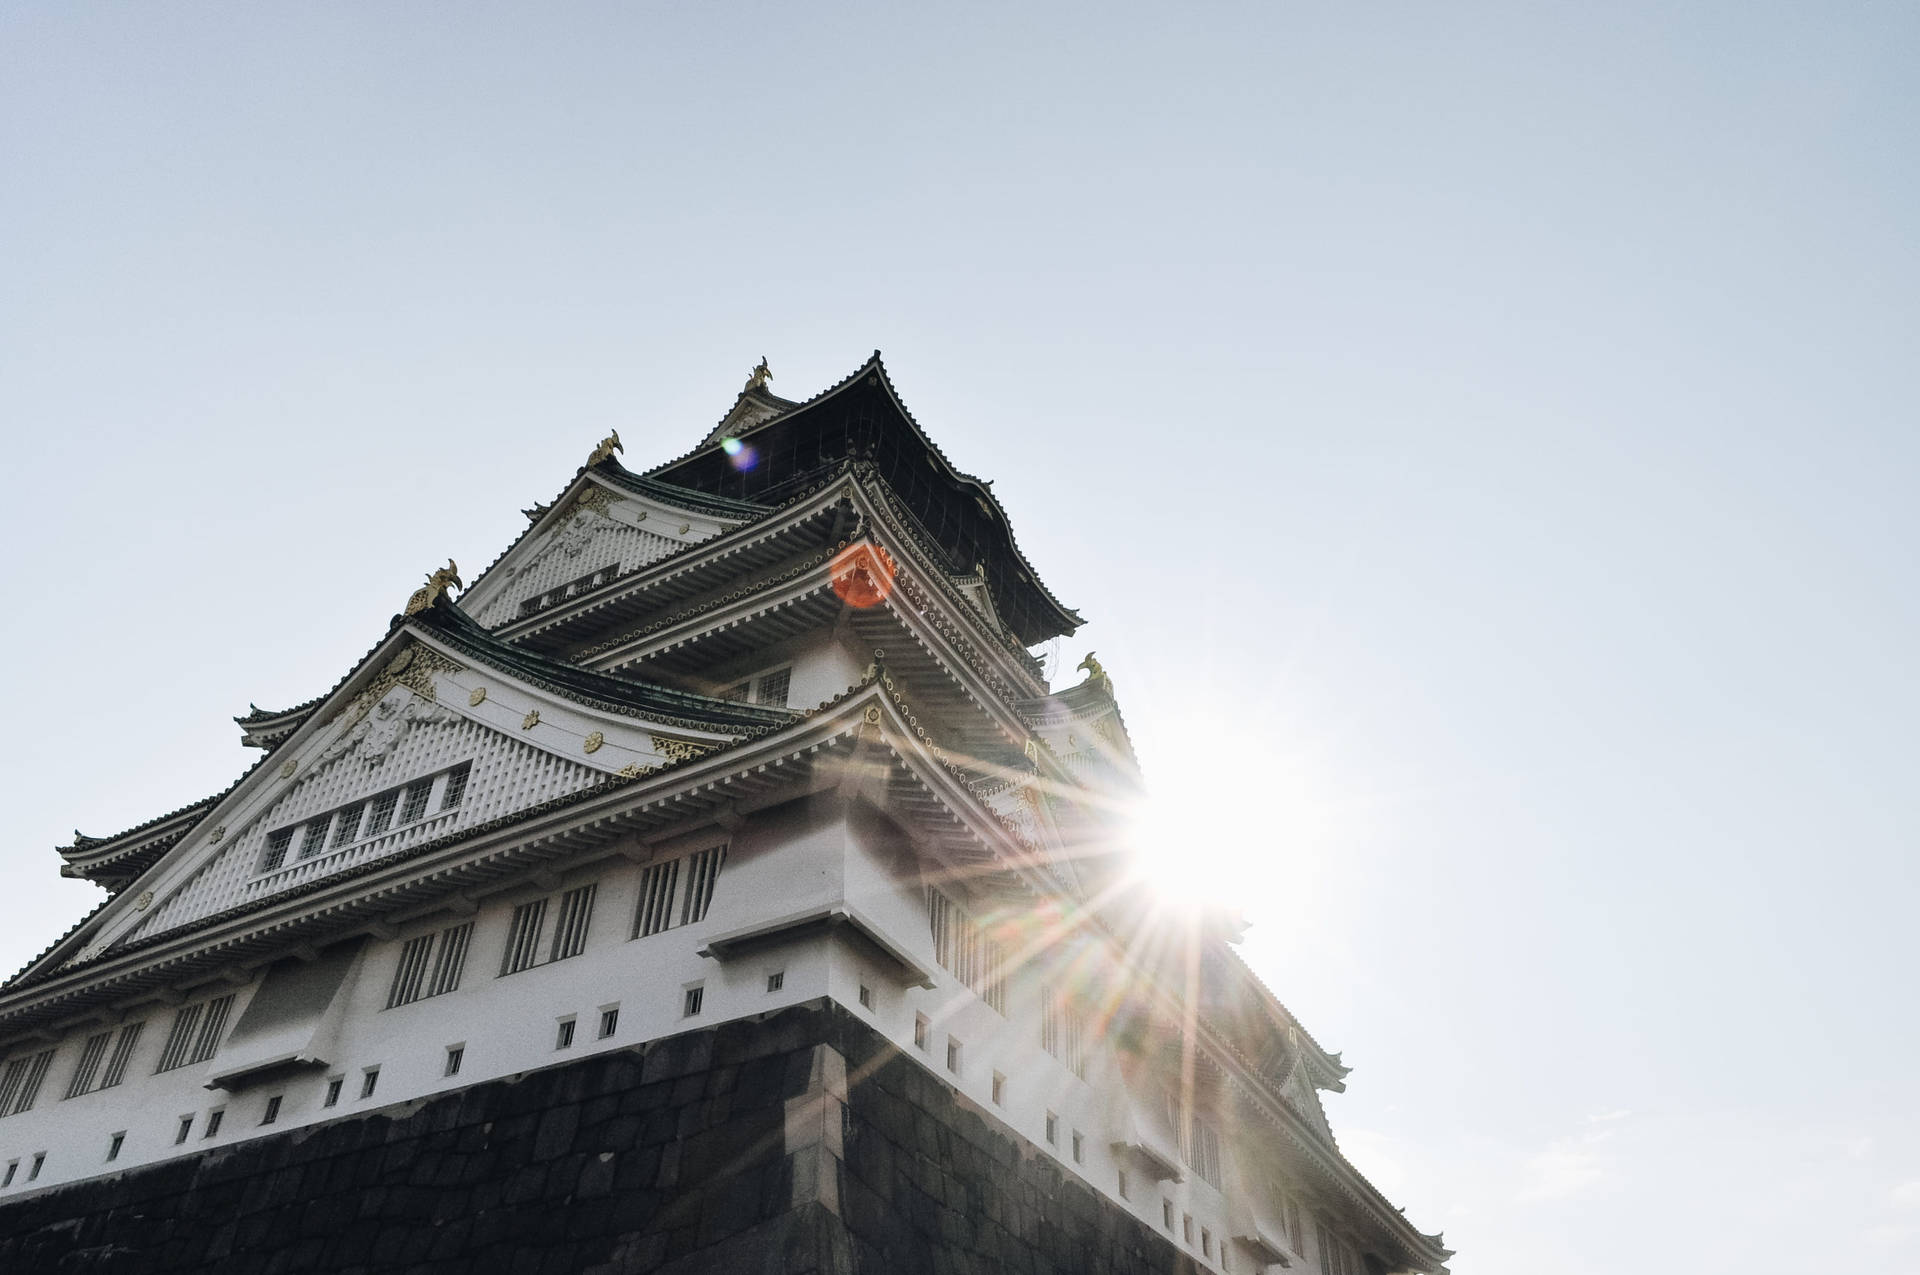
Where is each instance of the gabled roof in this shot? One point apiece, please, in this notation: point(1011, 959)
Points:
point(863, 416)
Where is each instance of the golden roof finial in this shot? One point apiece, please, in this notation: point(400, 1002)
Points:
point(606, 448)
point(438, 582)
point(760, 375)
point(1095, 674)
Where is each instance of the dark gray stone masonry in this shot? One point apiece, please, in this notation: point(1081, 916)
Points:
point(797, 1143)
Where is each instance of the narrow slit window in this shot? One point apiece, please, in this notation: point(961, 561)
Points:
point(39, 1162)
point(563, 1038)
point(333, 1091)
point(369, 1081)
point(13, 1167)
point(272, 1113)
point(922, 1031)
point(113, 1147)
point(609, 1021)
point(456, 1055)
point(181, 1134)
point(694, 1002)
point(953, 1055)
point(999, 1090)
point(1053, 1130)
point(214, 1119)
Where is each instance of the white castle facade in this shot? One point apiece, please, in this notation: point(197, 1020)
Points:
point(755, 728)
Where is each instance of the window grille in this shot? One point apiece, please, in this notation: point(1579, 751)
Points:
point(277, 843)
point(381, 812)
point(122, 1054)
point(963, 948)
point(1203, 1152)
point(410, 974)
point(212, 1027)
point(213, 1122)
point(180, 1038)
point(455, 1056)
point(314, 838)
point(347, 826)
point(609, 1021)
point(333, 1090)
point(655, 912)
point(570, 931)
point(416, 805)
point(273, 1110)
point(695, 1001)
point(702, 869)
point(456, 786)
point(39, 1162)
point(523, 937)
point(186, 1128)
point(776, 980)
point(20, 1084)
point(563, 1039)
point(451, 960)
point(89, 1064)
point(369, 1080)
point(1063, 1032)
point(737, 692)
point(13, 1167)
point(773, 688)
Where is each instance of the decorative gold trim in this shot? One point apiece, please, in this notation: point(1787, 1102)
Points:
point(476, 697)
point(595, 499)
point(679, 749)
point(143, 901)
point(287, 768)
point(592, 742)
point(633, 770)
point(605, 449)
point(531, 720)
point(414, 667)
point(438, 582)
point(217, 835)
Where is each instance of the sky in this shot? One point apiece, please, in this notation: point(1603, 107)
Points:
point(1480, 437)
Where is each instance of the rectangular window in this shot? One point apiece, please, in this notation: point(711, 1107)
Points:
point(1166, 1214)
point(346, 826)
point(1123, 1185)
point(1062, 1032)
point(922, 1031)
point(739, 692)
point(20, 1084)
point(13, 1167)
point(563, 1039)
point(702, 869)
point(113, 1146)
point(313, 838)
point(273, 1110)
point(186, 1127)
point(416, 804)
point(89, 1065)
point(523, 937)
point(180, 1038)
point(450, 960)
point(695, 998)
point(1206, 1242)
point(1294, 1230)
point(999, 1090)
point(570, 931)
point(456, 786)
point(1203, 1151)
point(214, 1118)
point(123, 1047)
point(609, 1021)
point(776, 980)
point(212, 1028)
point(953, 1055)
point(333, 1090)
point(369, 1081)
point(964, 949)
point(866, 997)
point(380, 812)
point(655, 912)
point(1186, 1228)
point(39, 1161)
point(456, 1054)
point(410, 975)
point(1053, 1130)
point(1079, 1148)
point(773, 688)
point(1325, 1239)
point(276, 852)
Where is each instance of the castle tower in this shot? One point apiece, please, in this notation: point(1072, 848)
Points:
point(713, 884)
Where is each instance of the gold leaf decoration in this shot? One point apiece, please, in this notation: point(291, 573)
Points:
point(477, 696)
point(287, 768)
point(592, 743)
point(531, 720)
point(218, 835)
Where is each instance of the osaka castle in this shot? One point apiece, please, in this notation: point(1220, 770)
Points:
point(714, 883)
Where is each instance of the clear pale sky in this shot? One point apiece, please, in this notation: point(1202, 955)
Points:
point(1482, 440)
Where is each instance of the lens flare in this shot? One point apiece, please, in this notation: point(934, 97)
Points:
point(862, 575)
point(740, 455)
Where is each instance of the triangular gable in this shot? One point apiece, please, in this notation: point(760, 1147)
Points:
point(755, 406)
point(593, 534)
point(420, 712)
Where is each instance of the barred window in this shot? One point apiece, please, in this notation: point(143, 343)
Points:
point(314, 837)
point(456, 786)
point(671, 896)
point(409, 976)
point(773, 688)
point(739, 692)
point(570, 931)
point(416, 805)
point(963, 948)
point(347, 826)
point(451, 959)
point(195, 1034)
point(1203, 1152)
point(523, 937)
point(20, 1083)
point(89, 1065)
point(123, 1048)
point(381, 812)
point(276, 854)
point(1063, 1032)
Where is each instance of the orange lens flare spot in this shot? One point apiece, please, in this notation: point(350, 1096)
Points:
point(862, 576)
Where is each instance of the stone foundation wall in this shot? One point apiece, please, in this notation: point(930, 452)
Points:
point(795, 1143)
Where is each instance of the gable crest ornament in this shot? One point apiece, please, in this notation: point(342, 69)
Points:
point(438, 582)
point(605, 449)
